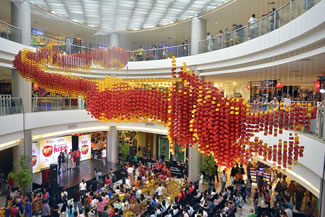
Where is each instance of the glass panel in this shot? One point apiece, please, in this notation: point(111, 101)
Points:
point(10, 32)
point(9, 106)
point(57, 103)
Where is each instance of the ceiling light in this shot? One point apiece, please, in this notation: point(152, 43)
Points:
point(53, 12)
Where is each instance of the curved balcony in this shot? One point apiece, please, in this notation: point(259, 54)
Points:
point(305, 39)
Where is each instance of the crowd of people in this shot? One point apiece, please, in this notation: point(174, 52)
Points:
point(149, 189)
point(159, 52)
point(67, 161)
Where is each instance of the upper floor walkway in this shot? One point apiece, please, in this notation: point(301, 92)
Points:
point(298, 34)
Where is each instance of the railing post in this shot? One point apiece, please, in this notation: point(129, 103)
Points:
point(7, 31)
point(290, 17)
point(69, 103)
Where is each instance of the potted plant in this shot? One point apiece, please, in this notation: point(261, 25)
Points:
point(209, 166)
point(22, 176)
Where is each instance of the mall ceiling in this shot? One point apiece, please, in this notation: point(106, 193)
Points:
point(117, 15)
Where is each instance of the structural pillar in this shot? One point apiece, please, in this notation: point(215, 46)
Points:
point(112, 145)
point(194, 164)
point(114, 40)
point(197, 34)
point(21, 17)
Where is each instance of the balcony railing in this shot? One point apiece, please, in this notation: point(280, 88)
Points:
point(270, 22)
point(9, 105)
point(10, 32)
point(40, 104)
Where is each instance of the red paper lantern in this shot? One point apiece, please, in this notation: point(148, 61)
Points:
point(316, 86)
point(35, 86)
point(279, 85)
point(248, 86)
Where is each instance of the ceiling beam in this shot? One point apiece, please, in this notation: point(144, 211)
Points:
point(100, 5)
point(204, 9)
point(149, 12)
point(48, 5)
point(115, 14)
point(66, 8)
point(170, 5)
point(184, 9)
point(132, 13)
point(82, 2)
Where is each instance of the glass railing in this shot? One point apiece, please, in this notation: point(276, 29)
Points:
point(264, 25)
point(137, 55)
point(160, 53)
point(10, 32)
point(40, 104)
point(239, 34)
point(9, 106)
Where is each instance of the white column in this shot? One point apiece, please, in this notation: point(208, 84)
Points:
point(20, 16)
point(112, 148)
point(194, 164)
point(114, 40)
point(198, 32)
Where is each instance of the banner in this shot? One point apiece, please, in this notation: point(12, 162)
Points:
point(164, 147)
point(36, 157)
point(85, 147)
point(46, 152)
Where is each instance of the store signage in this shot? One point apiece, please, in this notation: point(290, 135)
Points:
point(47, 151)
point(37, 32)
point(85, 147)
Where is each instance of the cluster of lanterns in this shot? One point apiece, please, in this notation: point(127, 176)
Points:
point(195, 112)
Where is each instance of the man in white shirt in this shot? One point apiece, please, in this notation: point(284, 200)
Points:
point(160, 190)
point(130, 172)
point(253, 26)
point(287, 210)
point(83, 187)
point(223, 180)
point(104, 156)
point(138, 193)
point(128, 183)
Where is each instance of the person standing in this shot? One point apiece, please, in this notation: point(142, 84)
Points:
point(210, 42)
point(78, 157)
point(46, 210)
point(59, 163)
point(66, 160)
point(201, 177)
point(74, 158)
point(63, 160)
point(292, 189)
point(70, 160)
point(252, 22)
point(104, 156)
point(223, 180)
point(76, 201)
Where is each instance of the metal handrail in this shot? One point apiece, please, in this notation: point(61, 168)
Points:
point(247, 25)
point(3, 22)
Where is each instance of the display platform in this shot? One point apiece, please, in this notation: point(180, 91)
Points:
point(86, 172)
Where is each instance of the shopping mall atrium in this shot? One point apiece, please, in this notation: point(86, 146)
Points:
point(162, 108)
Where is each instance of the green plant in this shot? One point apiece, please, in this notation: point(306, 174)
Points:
point(209, 166)
point(123, 150)
point(23, 176)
